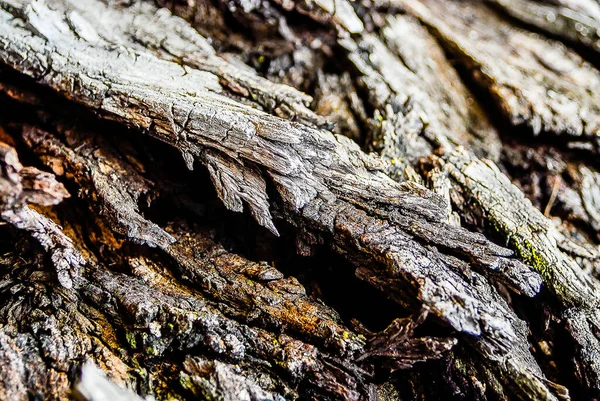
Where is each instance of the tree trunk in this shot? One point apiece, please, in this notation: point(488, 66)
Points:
point(366, 200)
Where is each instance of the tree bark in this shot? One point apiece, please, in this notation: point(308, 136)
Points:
point(370, 200)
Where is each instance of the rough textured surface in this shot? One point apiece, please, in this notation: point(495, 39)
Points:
point(174, 296)
point(253, 294)
point(539, 242)
point(573, 20)
point(22, 185)
point(536, 81)
point(420, 104)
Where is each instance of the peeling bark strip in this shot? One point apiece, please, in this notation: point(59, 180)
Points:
point(22, 185)
point(255, 294)
point(116, 187)
point(542, 245)
point(149, 294)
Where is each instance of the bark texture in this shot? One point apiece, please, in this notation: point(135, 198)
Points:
point(376, 200)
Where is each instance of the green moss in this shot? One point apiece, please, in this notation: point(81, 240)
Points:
point(526, 250)
point(460, 366)
point(150, 350)
point(539, 263)
point(186, 381)
point(130, 337)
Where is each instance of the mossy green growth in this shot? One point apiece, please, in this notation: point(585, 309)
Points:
point(527, 251)
point(151, 350)
point(130, 337)
point(460, 366)
point(186, 381)
point(523, 247)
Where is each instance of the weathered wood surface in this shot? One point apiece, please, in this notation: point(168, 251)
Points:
point(577, 21)
point(164, 299)
point(536, 81)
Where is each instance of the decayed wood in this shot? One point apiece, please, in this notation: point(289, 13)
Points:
point(23, 185)
point(564, 188)
point(256, 294)
point(315, 195)
point(168, 311)
point(162, 315)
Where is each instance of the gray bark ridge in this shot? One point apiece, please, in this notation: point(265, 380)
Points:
point(538, 241)
point(425, 100)
point(534, 237)
point(539, 83)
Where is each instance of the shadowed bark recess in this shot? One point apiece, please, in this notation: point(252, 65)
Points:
point(458, 206)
